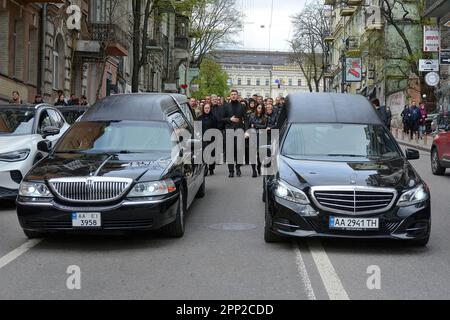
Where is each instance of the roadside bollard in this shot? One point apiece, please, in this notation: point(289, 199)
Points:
point(425, 139)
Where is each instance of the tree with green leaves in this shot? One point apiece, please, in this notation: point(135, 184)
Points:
point(212, 79)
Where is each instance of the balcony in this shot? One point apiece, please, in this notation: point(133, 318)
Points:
point(347, 11)
point(354, 2)
point(329, 38)
point(330, 2)
point(116, 40)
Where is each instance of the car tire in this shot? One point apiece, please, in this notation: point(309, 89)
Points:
point(202, 191)
point(33, 234)
point(175, 229)
point(269, 236)
point(436, 167)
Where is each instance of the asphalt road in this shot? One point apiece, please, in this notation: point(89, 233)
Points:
point(223, 256)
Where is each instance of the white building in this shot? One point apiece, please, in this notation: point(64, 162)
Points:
point(260, 72)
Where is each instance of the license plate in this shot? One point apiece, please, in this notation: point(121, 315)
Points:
point(354, 223)
point(86, 220)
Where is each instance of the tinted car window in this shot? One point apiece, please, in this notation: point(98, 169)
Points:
point(338, 140)
point(117, 136)
point(16, 121)
point(187, 112)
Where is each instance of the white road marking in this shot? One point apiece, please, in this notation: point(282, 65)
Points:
point(304, 273)
point(331, 281)
point(13, 255)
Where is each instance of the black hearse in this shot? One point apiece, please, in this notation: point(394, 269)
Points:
point(340, 173)
point(116, 169)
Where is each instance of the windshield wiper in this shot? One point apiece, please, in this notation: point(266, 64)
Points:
point(346, 155)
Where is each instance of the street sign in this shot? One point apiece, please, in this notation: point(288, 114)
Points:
point(444, 57)
point(431, 39)
point(428, 65)
point(432, 79)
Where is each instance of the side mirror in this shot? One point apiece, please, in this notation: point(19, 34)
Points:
point(50, 131)
point(412, 154)
point(44, 146)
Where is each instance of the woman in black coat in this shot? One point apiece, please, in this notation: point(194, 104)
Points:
point(257, 121)
point(208, 122)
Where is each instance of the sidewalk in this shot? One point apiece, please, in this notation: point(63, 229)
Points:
point(404, 139)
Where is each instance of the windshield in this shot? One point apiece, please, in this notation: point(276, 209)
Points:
point(16, 121)
point(338, 140)
point(116, 137)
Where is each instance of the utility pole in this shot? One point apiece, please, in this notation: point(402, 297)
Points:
point(270, 34)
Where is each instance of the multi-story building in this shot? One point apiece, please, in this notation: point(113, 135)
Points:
point(440, 9)
point(360, 34)
point(42, 52)
point(268, 74)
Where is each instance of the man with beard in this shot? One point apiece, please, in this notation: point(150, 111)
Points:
point(233, 119)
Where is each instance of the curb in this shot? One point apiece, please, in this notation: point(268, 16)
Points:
point(426, 149)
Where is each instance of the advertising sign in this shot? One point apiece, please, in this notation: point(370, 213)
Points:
point(353, 70)
point(444, 57)
point(431, 39)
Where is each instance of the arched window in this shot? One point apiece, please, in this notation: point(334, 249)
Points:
point(58, 63)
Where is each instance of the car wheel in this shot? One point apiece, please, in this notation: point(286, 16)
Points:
point(202, 191)
point(436, 167)
point(33, 234)
point(176, 228)
point(269, 236)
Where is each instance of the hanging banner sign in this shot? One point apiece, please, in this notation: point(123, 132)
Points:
point(353, 70)
point(431, 39)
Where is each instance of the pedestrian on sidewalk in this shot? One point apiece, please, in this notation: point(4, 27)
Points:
point(234, 114)
point(258, 121)
point(209, 121)
point(15, 98)
point(406, 114)
point(422, 120)
point(389, 117)
point(381, 110)
point(414, 119)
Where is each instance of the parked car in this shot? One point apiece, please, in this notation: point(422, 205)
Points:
point(72, 113)
point(440, 151)
point(114, 170)
point(23, 129)
point(340, 173)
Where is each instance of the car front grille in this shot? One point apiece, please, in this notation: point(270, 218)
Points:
point(91, 189)
point(353, 199)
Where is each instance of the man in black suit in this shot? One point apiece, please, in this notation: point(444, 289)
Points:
point(233, 119)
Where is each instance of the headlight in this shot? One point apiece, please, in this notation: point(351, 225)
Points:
point(155, 188)
point(414, 196)
point(286, 191)
point(34, 190)
point(15, 155)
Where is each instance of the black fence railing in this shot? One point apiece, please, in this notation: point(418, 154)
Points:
point(110, 33)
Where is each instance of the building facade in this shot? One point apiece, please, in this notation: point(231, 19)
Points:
point(361, 35)
point(43, 52)
point(268, 74)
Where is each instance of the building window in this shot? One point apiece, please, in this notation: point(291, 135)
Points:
point(239, 81)
point(32, 56)
point(267, 82)
point(299, 82)
point(58, 64)
point(258, 82)
point(4, 40)
point(249, 82)
point(290, 82)
point(18, 49)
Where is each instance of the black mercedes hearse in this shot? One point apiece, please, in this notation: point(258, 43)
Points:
point(340, 173)
point(115, 169)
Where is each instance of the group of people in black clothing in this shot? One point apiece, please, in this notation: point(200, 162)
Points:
point(250, 115)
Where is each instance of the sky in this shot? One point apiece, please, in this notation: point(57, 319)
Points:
point(257, 14)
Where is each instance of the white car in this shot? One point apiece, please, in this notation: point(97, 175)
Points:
point(22, 128)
